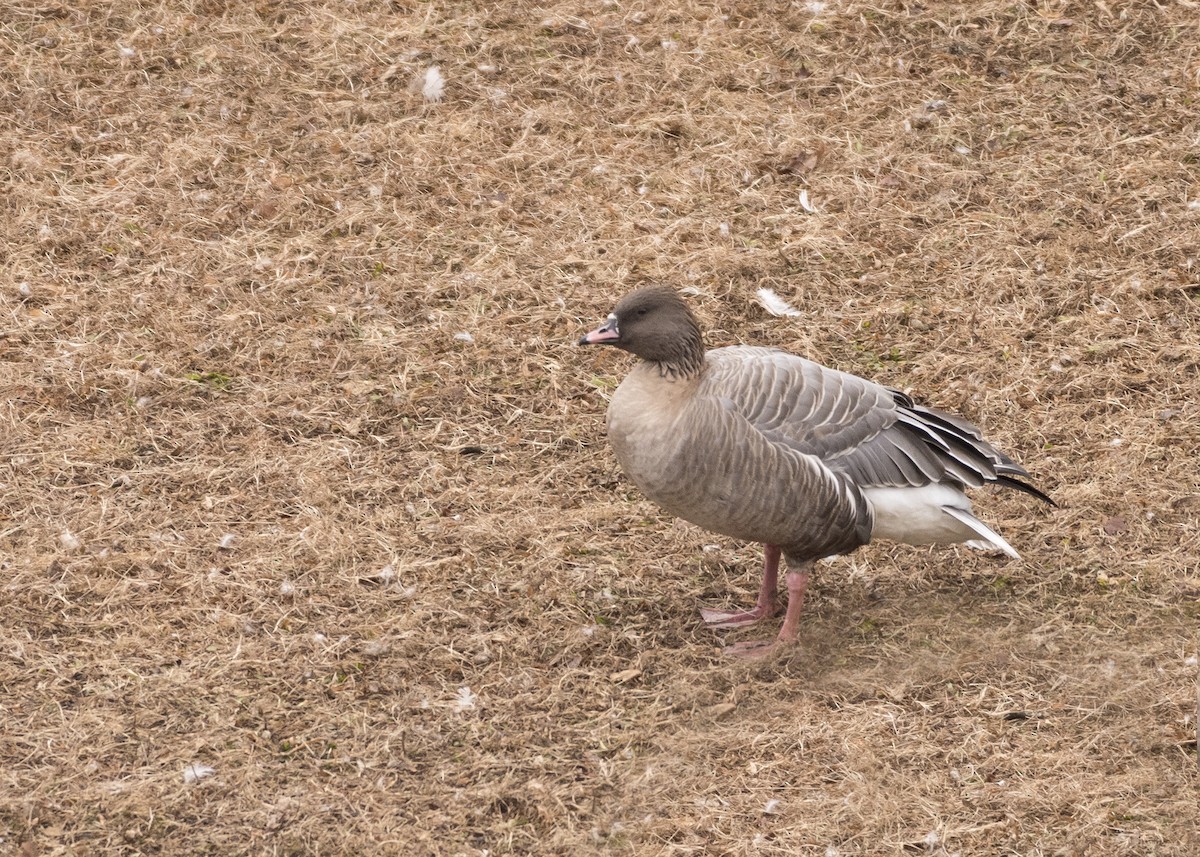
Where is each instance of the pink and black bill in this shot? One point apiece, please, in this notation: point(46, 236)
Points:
point(607, 332)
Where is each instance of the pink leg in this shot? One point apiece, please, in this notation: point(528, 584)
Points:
point(766, 606)
point(797, 584)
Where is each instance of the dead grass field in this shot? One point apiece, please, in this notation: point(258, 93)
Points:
point(304, 488)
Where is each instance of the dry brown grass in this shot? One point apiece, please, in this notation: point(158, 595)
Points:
point(262, 511)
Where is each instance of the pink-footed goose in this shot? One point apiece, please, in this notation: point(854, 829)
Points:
point(762, 445)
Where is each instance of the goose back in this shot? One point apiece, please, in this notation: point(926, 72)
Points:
point(876, 436)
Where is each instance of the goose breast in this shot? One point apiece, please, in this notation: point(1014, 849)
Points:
point(691, 448)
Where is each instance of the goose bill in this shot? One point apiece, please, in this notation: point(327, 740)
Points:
point(605, 333)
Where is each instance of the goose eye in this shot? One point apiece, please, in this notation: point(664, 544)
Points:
point(642, 311)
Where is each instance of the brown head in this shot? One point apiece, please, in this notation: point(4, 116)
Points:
point(655, 324)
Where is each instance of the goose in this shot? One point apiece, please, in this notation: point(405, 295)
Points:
point(764, 446)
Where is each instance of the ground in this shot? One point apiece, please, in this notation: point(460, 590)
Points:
point(310, 539)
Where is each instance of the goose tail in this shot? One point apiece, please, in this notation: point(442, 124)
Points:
point(988, 539)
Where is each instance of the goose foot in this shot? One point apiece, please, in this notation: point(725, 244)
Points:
point(766, 606)
point(717, 619)
point(797, 584)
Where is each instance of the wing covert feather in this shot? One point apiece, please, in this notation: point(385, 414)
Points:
point(874, 435)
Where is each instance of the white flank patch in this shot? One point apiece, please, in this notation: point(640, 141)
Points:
point(929, 515)
point(434, 86)
point(805, 204)
point(774, 304)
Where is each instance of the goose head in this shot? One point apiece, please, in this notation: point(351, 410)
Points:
point(656, 325)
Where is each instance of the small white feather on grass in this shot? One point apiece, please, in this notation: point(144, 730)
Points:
point(465, 700)
point(434, 85)
point(774, 304)
point(195, 772)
